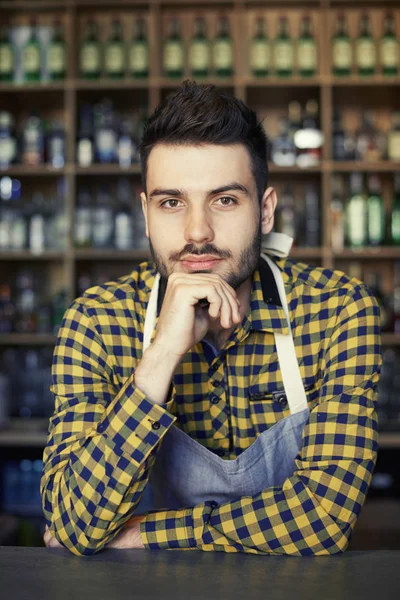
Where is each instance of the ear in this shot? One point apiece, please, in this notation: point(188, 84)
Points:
point(144, 209)
point(268, 205)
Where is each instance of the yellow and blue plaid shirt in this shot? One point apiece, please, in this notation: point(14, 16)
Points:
point(104, 434)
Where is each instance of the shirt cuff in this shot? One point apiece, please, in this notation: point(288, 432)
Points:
point(168, 529)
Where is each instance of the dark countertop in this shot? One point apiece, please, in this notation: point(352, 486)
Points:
point(44, 573)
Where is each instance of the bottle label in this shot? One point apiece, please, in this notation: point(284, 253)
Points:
point(389, 53)
point(260, 55)
point(31, 59)
point(85, 153)
point(307, 55)
point(366, 54)
point(394, 145)
point(90, 58)
point(138, 57)
point(199, 55)
point(114, 59)
point(223, 54)
point(56, 59)
point(6, 59)
point(283, 55)
point(173, 56)
point(342, 54)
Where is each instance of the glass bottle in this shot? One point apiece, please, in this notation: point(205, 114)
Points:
point(7, 55)
point(199, 50)
point(85, 150)
point(105, 133)
point(173, 54)
point(283, 50)
point(259, 50)
point(126, 145)
point(337, 216)
point(103, 230)
point(393, 140)
point(311, 216)
point(370, 143)
point(8, 141)
point(25, 302)
point(389, 48)
point(376, 212)
point(83, 219)
point(123, 232)
point(56, 145)
point(37, 224)
point(57, 54)
point(138, 56)
point(306, 49)
point(342, 51)
point(31, 55)
point(287, 213)
point(114, 52)
point(365, 48)
point(356, 213)
point(90, 53)
point(223, 50)
point(7, 309)
point(309, 138)
point(33, 142)
point(283, 150)
point(395, 215)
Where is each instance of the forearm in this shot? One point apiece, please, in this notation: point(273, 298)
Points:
point(154, 373)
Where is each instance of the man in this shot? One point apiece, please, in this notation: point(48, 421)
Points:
point(256, 432)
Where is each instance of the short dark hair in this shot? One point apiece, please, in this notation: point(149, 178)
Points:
point(203, 114)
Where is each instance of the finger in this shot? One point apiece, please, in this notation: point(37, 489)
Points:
point(215, 277)
point(226, 309)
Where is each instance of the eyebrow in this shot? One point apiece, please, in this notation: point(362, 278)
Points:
point(225, 188)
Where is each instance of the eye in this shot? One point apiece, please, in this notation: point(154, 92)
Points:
point(228, 198)
point(169, 200)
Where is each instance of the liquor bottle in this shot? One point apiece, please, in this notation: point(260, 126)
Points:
point(18, 234)
point(295, 117)
point(306, 49)
point(395, 215)
point(126, 145)
point(223, 50)
point(338, 137)
point(56, 145)
point(31, 63)
point(311, 216)
point(283, 50)
point(356, 213)
point(57, 54)
point(337, 216)
point(85, 150)
point(342, 50)
point(105, 134)
point(90, 53)
point(83, 219)
point(309, 138)
point(138, 55)
point(25, 302)
point(370, 143)
point(259, 51)
point(37, 224)
point(103, 230)
point(389, 48)
point(287, 213)
point(173, 55)
point(376, 212)
point(283, 150)
point(33, 142)
point(393, 140)
point(199, 50)
point(365, 48)
point(114, 52)
point(8, 141)
point(7, 309)
point(57, 229)
point(7, 56)
point(123, 232)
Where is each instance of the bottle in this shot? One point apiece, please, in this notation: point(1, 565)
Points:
point(85, 150)
point(105, 134)
point(283, 150)
point(199, 50)
point(102, 234)
point(389, 48)
point(395, 215)
point(311, 216)
point(126, 146)
point(56, 145)
point(338, 137)
point(57, 54)
point(7, 309)
point(37, 224)
point(295, 118)
point(33, 142)
point(283, 50)
point(287, 213)
point(365, 49)
point(25, 302)
point(138, 56)
point(309, 139)
point(123, 232)
point(223, 50)
point(337, 216)
point(114, 53)
point(306, 50)
point(370, 143)
point(393, 139)
point(356, 213)
point(57, 230)
point(376, 212)
point(8, 141)
point(260, 52)
point(7, 56)
point(173, 55)
point(31, 63)
point(83, 219)
point(90, 53)
point(342, 51)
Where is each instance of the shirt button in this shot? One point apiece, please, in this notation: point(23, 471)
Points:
point(281, 399)
point(156, 425)
point(214, 367)
point(101, 427)
point(214, 399)
point(216, 383)
point(228, 410)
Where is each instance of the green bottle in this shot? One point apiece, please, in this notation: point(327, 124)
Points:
point(389, 48)
point(7, 56)
point(173, 55)
point(138, 56)
point(395, 219)
point(90, 53)
point(365, 49)
point(31, 55)
point(223, 50)
point(283, 50)
point(376, 212)
point(57, 54)
point(342, 51)
point(114, 52)
point(306, 50)
point(260, 52)
point(199, 50)
point(356, 213)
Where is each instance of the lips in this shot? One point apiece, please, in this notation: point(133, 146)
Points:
point(200, 263)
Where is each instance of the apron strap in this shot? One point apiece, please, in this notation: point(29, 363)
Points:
point(151, 314)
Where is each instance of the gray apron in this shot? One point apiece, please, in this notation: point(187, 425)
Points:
point(185, 473)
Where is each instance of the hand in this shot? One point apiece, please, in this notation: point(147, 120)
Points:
point(51, 541)
point(182, 322)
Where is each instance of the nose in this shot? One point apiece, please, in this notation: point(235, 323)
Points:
point(198, 226)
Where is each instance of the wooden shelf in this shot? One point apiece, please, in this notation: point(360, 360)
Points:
point(111, 254)
point(107, 169)
point(379, 253)
point(25, 170)
point(28, 255)
point(27, 339)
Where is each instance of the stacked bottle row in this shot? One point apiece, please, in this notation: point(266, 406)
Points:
point(298, 215)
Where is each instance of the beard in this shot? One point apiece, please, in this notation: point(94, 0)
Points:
point(248, 260)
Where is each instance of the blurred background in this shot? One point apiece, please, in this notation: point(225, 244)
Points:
point(78, 79)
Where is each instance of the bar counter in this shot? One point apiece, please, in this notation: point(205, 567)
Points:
point(36, 573)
